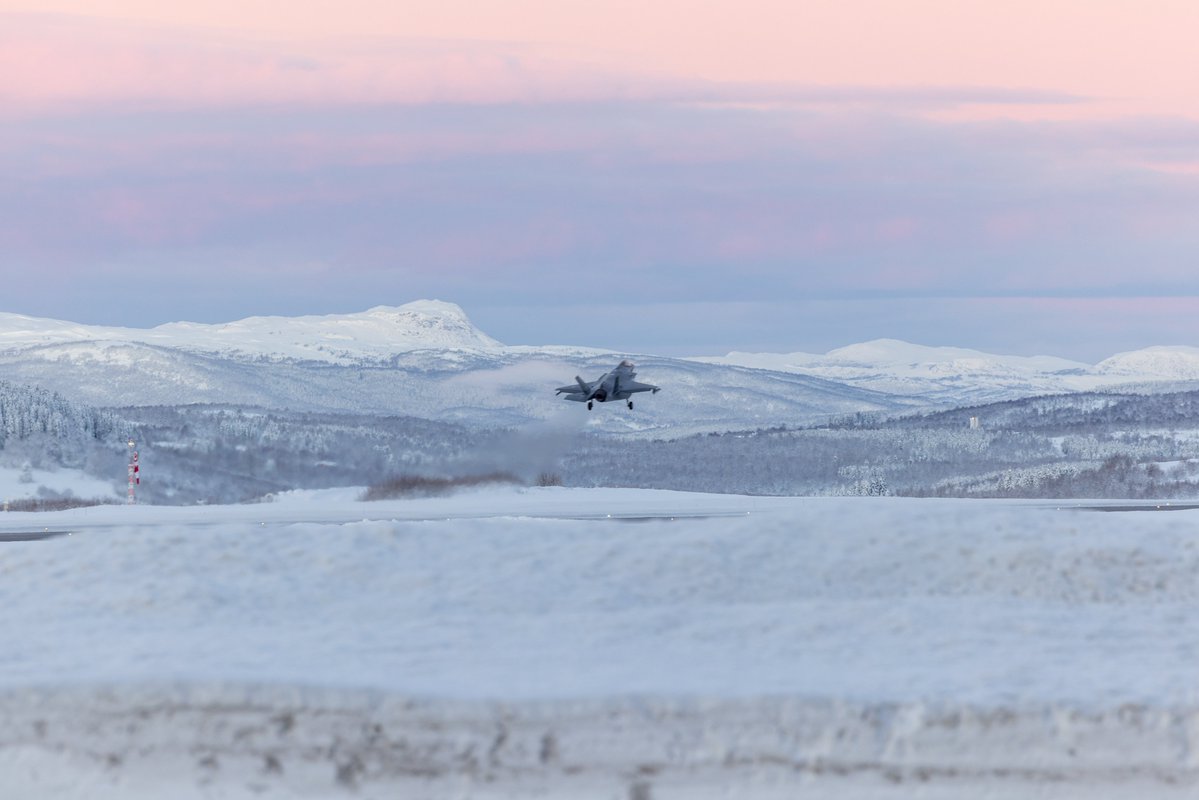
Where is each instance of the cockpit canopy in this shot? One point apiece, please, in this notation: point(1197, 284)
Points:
point(626, 363)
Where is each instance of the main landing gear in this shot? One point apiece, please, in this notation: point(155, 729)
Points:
point(591, 404)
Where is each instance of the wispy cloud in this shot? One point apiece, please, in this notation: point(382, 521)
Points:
point(213, 174)
point(61, 63)
point(585, 194)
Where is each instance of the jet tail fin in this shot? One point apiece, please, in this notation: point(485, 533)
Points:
point(583, 384)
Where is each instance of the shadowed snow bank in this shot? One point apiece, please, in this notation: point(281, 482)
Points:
point(232, 741)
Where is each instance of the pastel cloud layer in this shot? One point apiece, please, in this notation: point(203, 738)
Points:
point(757, 163)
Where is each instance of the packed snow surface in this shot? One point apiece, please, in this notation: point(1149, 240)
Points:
point(600, 643)
point(20, 484)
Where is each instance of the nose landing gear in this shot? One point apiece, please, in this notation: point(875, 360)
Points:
point(630, 405)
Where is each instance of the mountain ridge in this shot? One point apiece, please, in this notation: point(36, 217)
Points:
point(384, 331)
point(423, 359)
point(427, 358)
point(378, 332)
point(952, 375)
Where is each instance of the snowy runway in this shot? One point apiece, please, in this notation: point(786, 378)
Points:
point(486, 645)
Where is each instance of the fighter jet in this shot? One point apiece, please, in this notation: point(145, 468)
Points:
point(615, 385)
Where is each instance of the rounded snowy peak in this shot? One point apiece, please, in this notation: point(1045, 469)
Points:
point(1178, 362)
point(887, 351)
point(897, 352)
point(375, 333)
point(434, 322)
point(18, 330)
point(433, 308)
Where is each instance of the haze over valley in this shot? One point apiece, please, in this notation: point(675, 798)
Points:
point(234, 411)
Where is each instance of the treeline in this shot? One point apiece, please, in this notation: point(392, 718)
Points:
point(1120, 476)
point(1085, 445)
point(223, 454)
point(27, 411)
point(1088, 445)
point(1081, 412)
point(42, 429)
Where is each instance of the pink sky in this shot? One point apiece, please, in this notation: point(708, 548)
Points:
point(1125, 57)
point(543, 153)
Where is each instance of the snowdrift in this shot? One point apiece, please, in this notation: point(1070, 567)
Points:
point(572, 643)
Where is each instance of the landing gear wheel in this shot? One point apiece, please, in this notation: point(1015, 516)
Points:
point(589, 405)
point(630, 405)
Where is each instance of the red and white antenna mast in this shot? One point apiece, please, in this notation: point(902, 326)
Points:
point(135, 477)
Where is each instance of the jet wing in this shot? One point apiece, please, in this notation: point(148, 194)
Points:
point(634, 386)
point(581, 387)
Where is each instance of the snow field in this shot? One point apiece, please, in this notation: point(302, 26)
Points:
point(18, 484)
point(486, 646)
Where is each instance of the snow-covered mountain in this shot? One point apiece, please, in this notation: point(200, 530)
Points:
point(958, 376)
point(378, 333)
point(1178, 363)
point(427, 359)
point(422, 359)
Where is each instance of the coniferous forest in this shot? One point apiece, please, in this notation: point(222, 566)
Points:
point(1089, 445)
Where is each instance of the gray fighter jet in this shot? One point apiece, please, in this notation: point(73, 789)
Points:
point(615, 385)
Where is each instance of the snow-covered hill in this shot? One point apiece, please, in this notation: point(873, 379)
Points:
point(378, 334)
point(427, 359)
point(1178, 363)
point(422, 359)
point(959, 376)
